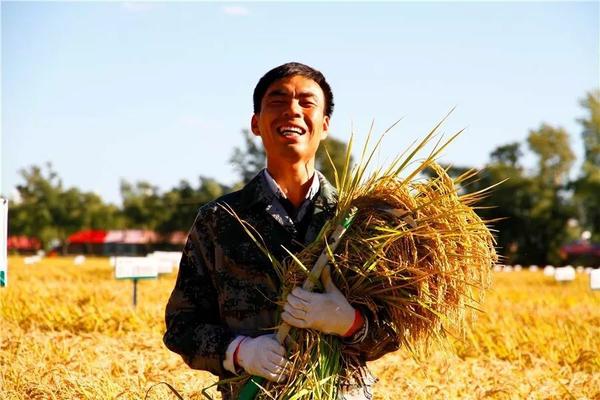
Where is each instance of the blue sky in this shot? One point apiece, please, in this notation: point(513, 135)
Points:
point(160, 91)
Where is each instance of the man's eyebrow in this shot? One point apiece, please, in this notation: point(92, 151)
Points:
point(282, 92)
point(308, 93)
point(277, 92)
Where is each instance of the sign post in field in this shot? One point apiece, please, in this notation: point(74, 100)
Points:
point(135, 268)
point(3, 242)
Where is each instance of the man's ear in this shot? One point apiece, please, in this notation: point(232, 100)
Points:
point(254, 125)
point(325, 128)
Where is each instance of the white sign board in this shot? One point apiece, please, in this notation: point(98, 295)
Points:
point(166, 260)
point(162, 266)
point(135, 268)
point(595, 279)
point(3, 242)
point(564, 274)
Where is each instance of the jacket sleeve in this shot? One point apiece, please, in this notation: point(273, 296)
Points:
point(194, 327)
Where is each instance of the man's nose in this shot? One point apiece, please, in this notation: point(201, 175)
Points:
point(293, 109)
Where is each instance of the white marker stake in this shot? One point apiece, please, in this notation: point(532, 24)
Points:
point(518, 267)
point(3, 242)
point(595, 279)
point(549, 270)
point(564, 274)
point(135, 268)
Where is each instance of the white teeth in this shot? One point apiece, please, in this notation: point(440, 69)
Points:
point(290, 130)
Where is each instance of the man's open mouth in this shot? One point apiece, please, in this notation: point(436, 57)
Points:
point(289, 130)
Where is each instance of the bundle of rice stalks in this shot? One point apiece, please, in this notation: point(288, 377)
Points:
point(416, 257)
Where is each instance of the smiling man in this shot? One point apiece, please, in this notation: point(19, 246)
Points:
point(292, 118)
point(222, 312)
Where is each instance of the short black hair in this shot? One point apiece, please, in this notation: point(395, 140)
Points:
point(291, 69)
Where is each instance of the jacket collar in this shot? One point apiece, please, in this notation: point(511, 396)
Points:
point(257, 191)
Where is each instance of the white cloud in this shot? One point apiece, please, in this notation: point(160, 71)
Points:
point(236, 10)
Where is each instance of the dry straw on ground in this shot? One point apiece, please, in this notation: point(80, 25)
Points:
point(69, 332)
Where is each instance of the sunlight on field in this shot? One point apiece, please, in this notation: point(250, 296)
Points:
point(70, 332)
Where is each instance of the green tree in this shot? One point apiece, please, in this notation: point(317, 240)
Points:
point(555, 156)
point(143, 206)
point(250, 158)
point(551, 205)
point(99, 215)
point(507, 155)
point(587, 185)
point(182, 203)
point(48, 211)
point(337, 152)
point(39, 195)
point(591, 134)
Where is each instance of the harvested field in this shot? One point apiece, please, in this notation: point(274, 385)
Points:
point(70, 332)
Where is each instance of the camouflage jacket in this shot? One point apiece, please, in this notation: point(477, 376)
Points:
point(227, 287)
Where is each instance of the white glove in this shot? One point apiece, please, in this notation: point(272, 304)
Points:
point(263, 356)
point(327, 312)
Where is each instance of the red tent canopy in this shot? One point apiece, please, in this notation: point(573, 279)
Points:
point(89, 236)
point(23, 243)
point(581, 247)
point(127, 236)
point(131, 236)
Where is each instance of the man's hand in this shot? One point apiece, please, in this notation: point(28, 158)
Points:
point(263, 356)
point(327, 312)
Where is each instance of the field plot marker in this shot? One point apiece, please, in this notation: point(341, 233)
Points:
point(595, 279)
point(3, 242)
point(166, 260)
point(564, 274)
point(136, 268)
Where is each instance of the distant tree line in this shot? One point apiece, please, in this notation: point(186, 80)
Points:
point(535, 211)
point(51, 212)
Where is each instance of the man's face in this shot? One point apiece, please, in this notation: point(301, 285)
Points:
point(291, 122)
